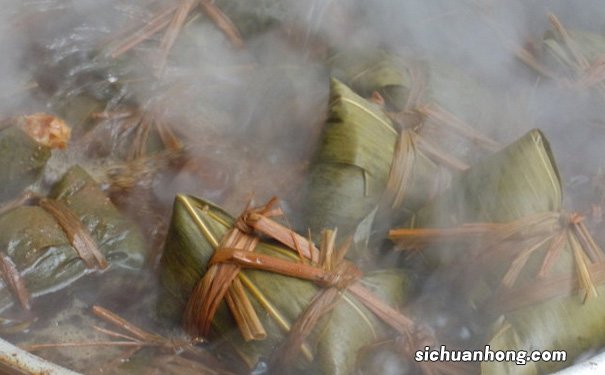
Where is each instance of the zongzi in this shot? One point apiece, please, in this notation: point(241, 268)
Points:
point(526, 260)
point(74, 230)
point(195, 240)
point(363, 158)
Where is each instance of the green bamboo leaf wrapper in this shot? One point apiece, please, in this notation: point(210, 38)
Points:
point(40, 249)
point(561, 323)
point(351, 169)
point(520, 180)
point(116, 236)
point(196, 225)
point(22, 161)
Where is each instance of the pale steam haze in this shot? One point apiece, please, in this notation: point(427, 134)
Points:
point(251, 117)
point(268, 97)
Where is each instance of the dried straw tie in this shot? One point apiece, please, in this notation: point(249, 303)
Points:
point(416, 114)
point(326, 268)
point(515, 242)
point(402, 168)
point(172, 19)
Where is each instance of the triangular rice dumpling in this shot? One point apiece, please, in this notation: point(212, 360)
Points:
point(44, 242)
point(501, 226)
point(196, 229)
point(523, 172)
point(353, 166)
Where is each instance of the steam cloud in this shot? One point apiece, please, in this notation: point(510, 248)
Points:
point(252, 114)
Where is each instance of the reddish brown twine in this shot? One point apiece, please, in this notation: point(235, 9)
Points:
point(172, 19)
point(218, 281)
point(328, 269)
point(514, 242)
point(344, 275)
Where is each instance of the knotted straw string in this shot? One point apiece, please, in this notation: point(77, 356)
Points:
point(332, 273)
point(410, 141)
point(515, 242)
point(344, 274)
point(391, 316)
point(416, 107)
point(401, 173)
point(402, 168)
point(220, 282)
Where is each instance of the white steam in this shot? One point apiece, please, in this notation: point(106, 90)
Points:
point(251, 117)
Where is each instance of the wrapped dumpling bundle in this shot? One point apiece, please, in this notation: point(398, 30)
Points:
point(570, 55)
point(363, 160)
point(523, 172)
point(525, 263)
point(259, 300)
point(61, 238)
